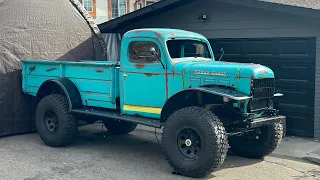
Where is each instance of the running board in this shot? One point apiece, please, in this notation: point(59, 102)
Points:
point(113, 115)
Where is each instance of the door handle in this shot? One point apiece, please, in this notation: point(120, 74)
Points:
point(124, 76)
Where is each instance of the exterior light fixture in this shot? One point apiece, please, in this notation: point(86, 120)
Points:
point(202, 17)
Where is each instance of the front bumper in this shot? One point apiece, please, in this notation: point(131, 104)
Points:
point(269, 117)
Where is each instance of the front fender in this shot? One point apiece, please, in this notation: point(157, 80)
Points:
point(224, 92)
point(177, 100)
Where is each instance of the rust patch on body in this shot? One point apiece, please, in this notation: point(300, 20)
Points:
point(139, 66)
point(140, 31)
point(99, 71)
point(52, 69)
point(167, 84)
point(151, 74)
point(32, 68)
point(174, 65)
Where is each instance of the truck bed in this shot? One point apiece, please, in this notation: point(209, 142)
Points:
point(97, 81)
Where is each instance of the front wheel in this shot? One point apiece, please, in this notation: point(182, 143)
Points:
point(194, 142)
point(259, 143)
point(55, 124)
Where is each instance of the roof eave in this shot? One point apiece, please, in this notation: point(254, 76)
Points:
point(167, 5)
point(159, 7)
point(276, 7)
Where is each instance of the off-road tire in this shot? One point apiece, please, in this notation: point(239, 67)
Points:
point(118, 127)
point(213, 142)
point(67, 127)
point(268, 141)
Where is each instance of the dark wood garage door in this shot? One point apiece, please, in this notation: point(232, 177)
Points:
point(293, 62)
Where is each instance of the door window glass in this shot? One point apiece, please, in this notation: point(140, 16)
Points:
point(139, 52)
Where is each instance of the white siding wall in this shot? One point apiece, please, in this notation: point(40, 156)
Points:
point(102, 11)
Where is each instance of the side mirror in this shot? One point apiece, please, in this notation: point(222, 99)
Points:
point(153, 51)
point(222, 53)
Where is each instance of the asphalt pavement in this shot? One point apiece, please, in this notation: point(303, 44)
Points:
point(97, 155)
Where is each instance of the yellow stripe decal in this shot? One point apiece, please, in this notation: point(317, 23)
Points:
point(152, 110)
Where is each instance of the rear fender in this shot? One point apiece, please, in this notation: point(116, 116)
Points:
point(61, 86)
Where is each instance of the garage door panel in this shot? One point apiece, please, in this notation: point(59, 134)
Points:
point(299, 123)
point(289, 72)
point(279, 48)
point(296, 47)
point(230, 47)
point(296, 96)
point(258, 48)
point(293, 62)
point(297, 74)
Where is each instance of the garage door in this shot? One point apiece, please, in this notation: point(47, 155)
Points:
point(293, 62)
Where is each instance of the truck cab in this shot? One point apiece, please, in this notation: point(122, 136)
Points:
point(165, 78)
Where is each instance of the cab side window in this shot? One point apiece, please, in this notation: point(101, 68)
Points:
point(139, 52)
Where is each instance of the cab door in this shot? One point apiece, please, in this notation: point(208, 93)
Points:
point(143, 76)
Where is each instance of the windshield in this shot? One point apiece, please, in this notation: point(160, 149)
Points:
point(188, 48)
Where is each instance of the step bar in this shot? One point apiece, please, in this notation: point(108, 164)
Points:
point(114, 115)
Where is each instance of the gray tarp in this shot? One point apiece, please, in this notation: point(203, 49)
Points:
point(39, 29)
point(113, 44)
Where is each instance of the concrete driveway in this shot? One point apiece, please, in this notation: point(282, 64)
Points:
point(133, 156)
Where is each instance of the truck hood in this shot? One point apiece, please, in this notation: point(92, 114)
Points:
point(222, 68)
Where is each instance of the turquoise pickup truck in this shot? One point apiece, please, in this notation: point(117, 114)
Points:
point(165, 78)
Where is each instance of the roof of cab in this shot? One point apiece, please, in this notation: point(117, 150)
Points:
point(163, 33)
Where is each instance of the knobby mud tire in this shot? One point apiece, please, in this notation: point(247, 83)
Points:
point(213, 142)
point(270, 138)
point(67, 124)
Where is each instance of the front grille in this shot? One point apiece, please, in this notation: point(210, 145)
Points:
point(263, 88)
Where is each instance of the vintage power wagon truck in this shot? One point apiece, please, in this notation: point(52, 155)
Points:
point(165, 78)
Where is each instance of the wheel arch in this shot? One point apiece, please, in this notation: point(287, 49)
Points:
point(200, 96)
point(188, 97)
point(62, 86)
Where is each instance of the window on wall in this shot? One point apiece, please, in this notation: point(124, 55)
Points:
point(119, 8)
point(87, 4)
point(149, 3)
point(139, 5)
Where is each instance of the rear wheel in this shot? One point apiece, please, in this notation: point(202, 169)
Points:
point(118, 127)
point(194, 142)
point(259, 143)
point(55, 124)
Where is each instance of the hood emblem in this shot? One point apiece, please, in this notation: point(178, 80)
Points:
point(264, 71)
point(213, 73)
